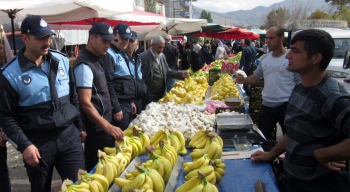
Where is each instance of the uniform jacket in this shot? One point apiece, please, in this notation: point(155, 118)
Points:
point(147, 68)
point(33, 102)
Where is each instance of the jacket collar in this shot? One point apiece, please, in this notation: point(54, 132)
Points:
point(114, 48)
point(91, 56)
point(26, 64)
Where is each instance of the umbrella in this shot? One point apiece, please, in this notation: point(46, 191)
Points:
point(136, 18)
point(62, 10)
point(175, 26)
point(233, 33)
point(214, 27)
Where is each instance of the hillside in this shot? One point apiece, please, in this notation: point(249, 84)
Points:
point(253, 17)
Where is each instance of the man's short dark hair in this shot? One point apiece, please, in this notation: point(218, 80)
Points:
point(316, 41)
point(247, 42)
point(280, 31)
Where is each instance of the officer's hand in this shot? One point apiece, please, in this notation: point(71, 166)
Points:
point(31, 155)
point(185, 74)
point(258, 156)
point(82, 136)
point(335, 166)
point(239, 79)
point(115, 132)
point(2, 139)
point(118, 116)
point(133, 108)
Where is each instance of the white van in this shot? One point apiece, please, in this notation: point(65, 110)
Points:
point(342, 44)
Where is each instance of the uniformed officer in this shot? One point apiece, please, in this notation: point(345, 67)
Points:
point(121, 81)
point(40, 109)
point(93, 94)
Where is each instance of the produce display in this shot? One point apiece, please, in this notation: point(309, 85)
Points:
point(86, 182)
point(224, 88)
point(208, 143)
point(189, 91)
point(182, 118)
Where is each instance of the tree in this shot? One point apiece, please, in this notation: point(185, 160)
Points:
point(276, 17)
point(207, 16)
point(338, 2)
point(319, 14)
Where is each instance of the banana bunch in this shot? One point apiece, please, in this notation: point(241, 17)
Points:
point(208, 171)
point(164, 150)
point(122, 156)
point(108, 166)
point(206, 142)
point(86, 182)
point(131, 145)
point(136, 131)
point(197, 164)
point(197, 183)
point(159, 163)
point(219, 168)
point(146, 179)
point(68, 186)
point(173, 138)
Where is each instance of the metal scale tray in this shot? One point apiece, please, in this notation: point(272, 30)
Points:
point(233, 122)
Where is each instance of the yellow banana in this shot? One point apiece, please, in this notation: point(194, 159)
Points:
point(148, 183)
point(220, 165)
point(93, 187)
point(197, 188)
point(183, 151)
point(99, 185)
point(157, 135)
point(190, 184)
point(197, 163)
point(145, 142)
point(156, 142)
point(175, 143)
point(108, 172)
point(99, 167)
point(122, 182)
point(218, 176)
point(129, 176)
point(158, 182)
point(208, 187)
point(135, 183)
point(218, 152)
point(211, 178)
point(200, 144)
point(129, 131)
point(205, 170)
point(181, 138)
point(110, 150)
point(220, 141)
point(212, 149)
point(135, 150)
point(161, 170)
point(135, 172)
point(221, 171)
point(101, 179)
point(167, 169)
point(196, 136)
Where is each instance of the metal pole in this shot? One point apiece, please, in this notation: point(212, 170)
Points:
point(174, 8)
point(12, 16)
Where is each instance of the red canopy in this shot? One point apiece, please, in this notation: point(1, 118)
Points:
point(233, 33)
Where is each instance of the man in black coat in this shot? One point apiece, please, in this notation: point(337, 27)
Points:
point(172, 57)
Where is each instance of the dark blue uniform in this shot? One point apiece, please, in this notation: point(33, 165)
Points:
point(40, 106)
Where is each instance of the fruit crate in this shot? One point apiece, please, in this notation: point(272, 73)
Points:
point(255, 100)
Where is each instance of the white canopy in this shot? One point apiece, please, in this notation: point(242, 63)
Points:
point(175, 26)
point(63, 10)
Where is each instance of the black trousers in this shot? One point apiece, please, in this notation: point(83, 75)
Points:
point(96, 139)
point(268, 118)
point(64, 151)
point(152, 96)
point(127, 115)
point(5, 184)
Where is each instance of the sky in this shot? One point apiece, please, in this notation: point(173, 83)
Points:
point(223, 6)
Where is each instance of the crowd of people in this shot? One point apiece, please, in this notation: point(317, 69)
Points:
point(49, 108)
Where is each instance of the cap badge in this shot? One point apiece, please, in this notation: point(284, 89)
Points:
point(26, 79)
point(43, 23)
point(128, 30)
point(110, 30)
point(61, 71)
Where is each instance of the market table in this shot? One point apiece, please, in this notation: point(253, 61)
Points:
point(241, 174)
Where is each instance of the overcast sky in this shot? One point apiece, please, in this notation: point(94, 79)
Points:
point(223, 6)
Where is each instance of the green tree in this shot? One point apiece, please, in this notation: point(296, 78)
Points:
point(277, 17)
point(319, 14)
point(207, 16)
point(343, 14)
point(338, 2)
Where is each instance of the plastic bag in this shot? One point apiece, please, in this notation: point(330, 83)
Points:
point(213, 104)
